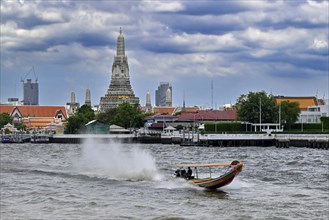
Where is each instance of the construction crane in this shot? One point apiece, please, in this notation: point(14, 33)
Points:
point(31, 70)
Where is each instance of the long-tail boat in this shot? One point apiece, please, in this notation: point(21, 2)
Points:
point(233, 169)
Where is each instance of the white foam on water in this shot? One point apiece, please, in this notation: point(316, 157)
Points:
point(175, 183)
point(238, 183)
point(115, 161)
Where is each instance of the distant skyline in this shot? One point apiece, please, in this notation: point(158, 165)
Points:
point(277, 46)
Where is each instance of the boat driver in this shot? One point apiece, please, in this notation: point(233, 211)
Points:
point(189, 173)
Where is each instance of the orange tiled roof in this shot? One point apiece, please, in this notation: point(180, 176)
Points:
point(164, 110)
point(34, 110)
point(191, 109)
point(7, 109)
point(304, 102)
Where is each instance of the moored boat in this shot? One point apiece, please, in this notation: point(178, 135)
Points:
point(6, 139)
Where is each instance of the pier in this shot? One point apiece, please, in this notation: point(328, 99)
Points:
point(237, 140)
point(80, 138)
point(309, 141)
point(316, 141)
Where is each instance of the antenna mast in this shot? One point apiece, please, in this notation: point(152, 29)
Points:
point(212, 94)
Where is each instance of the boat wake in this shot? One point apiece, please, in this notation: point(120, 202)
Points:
point(176, 183)
point(237, 183)
point(115, 161)
point(60, 172)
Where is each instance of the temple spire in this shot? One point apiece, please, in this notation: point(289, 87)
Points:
point(148, 102)
point(120, 90)
point(120, 44)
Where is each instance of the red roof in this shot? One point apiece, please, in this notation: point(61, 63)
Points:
point(209, 115)
point(34, 110)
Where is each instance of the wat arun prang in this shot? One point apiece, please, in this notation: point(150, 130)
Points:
point(120, 90)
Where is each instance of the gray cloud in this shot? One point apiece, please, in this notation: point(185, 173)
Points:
point(259, 42)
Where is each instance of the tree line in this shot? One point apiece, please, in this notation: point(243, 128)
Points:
point(125, 115)
point(253, 107)
point(256, 107)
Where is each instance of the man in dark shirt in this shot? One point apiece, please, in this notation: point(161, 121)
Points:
point(189, 173)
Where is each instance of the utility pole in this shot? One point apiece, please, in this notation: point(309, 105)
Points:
point(280, 115)
point(212, 94)
point(260, 114)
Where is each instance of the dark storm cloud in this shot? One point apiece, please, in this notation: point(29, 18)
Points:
point(314, 63)
point(204, 25)
point(199, 8)
point(29, 22)
point(269, 24)
point(166, 47)
point(94, 39)
point(255, 40)
point(85, 39)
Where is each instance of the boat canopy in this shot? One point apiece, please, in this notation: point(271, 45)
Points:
point(208, 164)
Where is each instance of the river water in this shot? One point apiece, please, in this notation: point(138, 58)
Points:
point(133, 181)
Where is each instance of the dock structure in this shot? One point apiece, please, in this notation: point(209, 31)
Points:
point(209, 140)
point(80, 138)
point(262, 140)
point(237, 140)
point(309, 141)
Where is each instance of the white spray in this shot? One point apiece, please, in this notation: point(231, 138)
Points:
point(115, 161)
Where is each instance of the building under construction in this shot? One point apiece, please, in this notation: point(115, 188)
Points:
point(30, 90)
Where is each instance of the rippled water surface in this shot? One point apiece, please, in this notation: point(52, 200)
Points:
point(133, 181)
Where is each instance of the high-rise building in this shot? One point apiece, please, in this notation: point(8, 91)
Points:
point(88, 99)
point(168, 98)
point(31, 92)
point(161, 94)
point(120, 90)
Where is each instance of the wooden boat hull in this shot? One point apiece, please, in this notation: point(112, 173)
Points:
point(214, 183)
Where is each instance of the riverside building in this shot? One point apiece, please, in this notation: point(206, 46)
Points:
point(120, 90)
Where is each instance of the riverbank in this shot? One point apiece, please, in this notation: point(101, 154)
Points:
point(218, 140)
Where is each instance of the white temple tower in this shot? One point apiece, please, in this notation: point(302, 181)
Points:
point(120, 90)
point(88, 99)
point(72, 98)
point(148, 102)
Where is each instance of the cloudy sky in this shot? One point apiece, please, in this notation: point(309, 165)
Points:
point(243, 45)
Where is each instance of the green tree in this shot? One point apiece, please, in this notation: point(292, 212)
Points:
point(76, 123)
point(21, 126)
point(107, 116)
point(249, 107)
point(87, 113)
point(325, 122)
point(128, 116)
point(289, 113)
point(7, 131)
point(5, 118)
